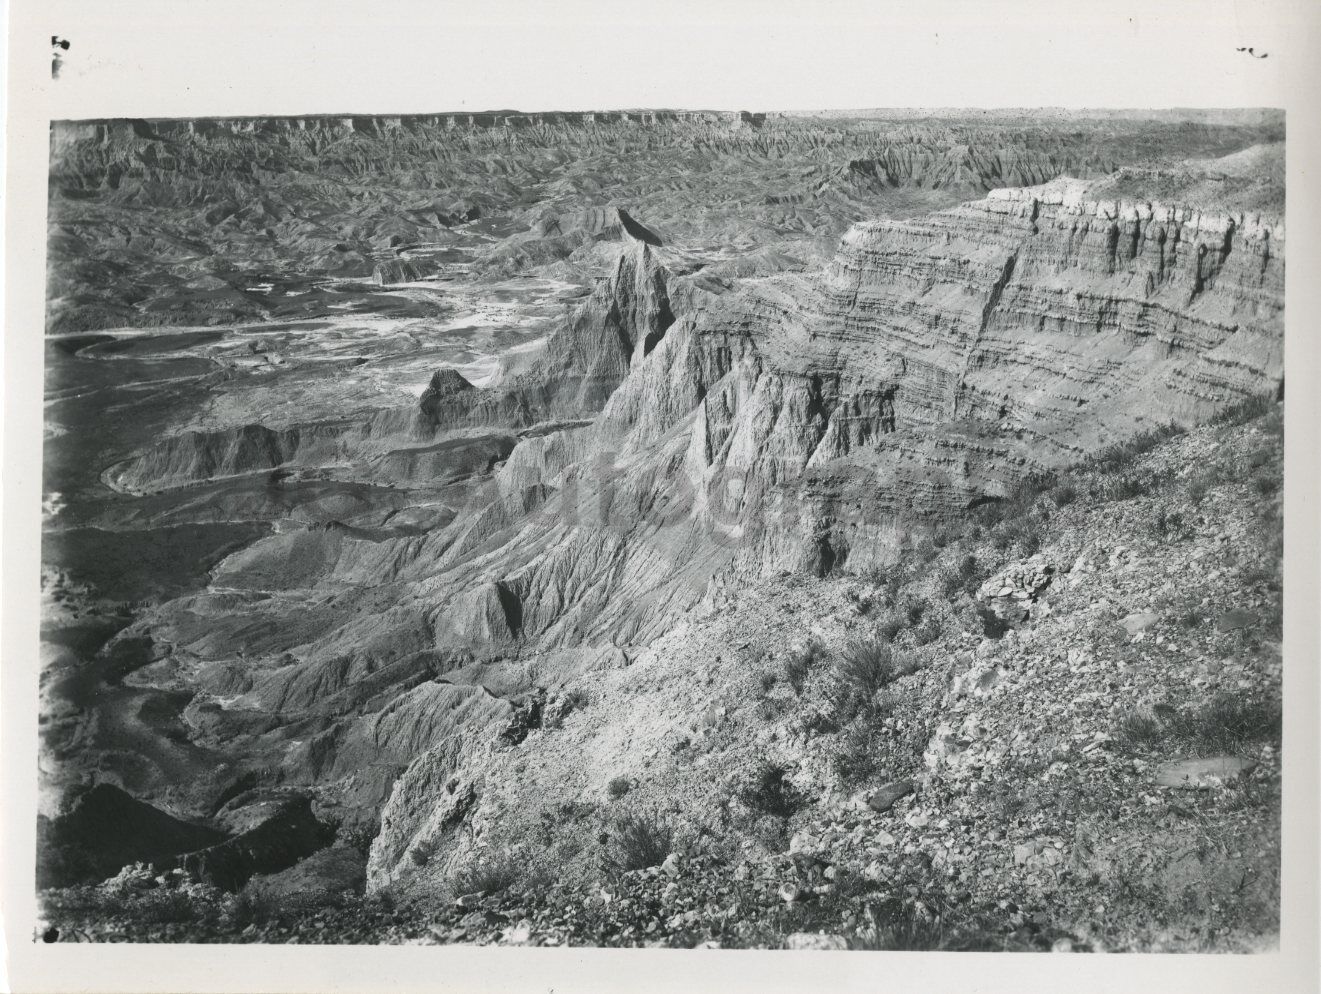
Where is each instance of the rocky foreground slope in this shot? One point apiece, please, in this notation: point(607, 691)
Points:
point(564, 611)
point(1072, 743)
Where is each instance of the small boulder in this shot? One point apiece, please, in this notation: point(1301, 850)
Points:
point(671, 865)
point(883, 799)
point(815, 940)
point(1203, 774)
point(790, 892)
point(1236, 618)
point(1139, 622)
point(1025, 851)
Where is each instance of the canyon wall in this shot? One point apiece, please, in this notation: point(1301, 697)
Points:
point(799, 422)
point(754, 384)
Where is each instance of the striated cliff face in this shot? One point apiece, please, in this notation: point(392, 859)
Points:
point(790, 423)
point(797, 424)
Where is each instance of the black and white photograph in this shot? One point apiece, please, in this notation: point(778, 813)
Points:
point(499, 511)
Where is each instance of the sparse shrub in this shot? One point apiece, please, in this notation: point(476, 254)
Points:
point(861, 601)
point(1123, 454)
point(1246, 410)
point(869, 752)
point(1017, 504)
point(551, 820)
point(639, 840)
point(1169, 525)
point(891, 625)
point(1230, 722)
point(865, 666)
point(927, 632)
point(961, 578)
point(768, 791)
point(855, 762)
point(862, 749)
point(1190, 617)
point(564, 705)
point(800, 663)
point(968, 569)
point(906, 663)
point(1198, 489)
point(618, 787)
point(421, 852)
point(770, 832)
point(573, 810)
point(820, 722)
point(250, 907)
point(1266, 482)
point(770, 708)
point(1064, 493)
point(1226, 724)
point(1029, 538)
point(893, 584)
point(873, 575)
point(767, 680)
point(1124, 486)
point(1261, 572)
point(169, 907)
point(900, 926)
point(489, 875)
point(1138, 731)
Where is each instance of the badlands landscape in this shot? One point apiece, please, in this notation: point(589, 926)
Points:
point(665, 528)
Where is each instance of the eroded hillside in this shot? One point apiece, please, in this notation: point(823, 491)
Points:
point(468, 537)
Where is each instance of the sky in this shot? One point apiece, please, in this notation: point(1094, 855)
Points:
point(132, 58)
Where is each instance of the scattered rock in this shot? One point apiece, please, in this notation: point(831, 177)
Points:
point(790, 892)
point(517, 935)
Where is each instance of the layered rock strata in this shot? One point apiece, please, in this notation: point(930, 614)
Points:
point(803, 422)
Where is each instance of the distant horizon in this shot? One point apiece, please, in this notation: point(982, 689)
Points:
point(876, 111)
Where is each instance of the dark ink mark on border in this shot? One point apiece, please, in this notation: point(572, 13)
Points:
point(58, 47)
